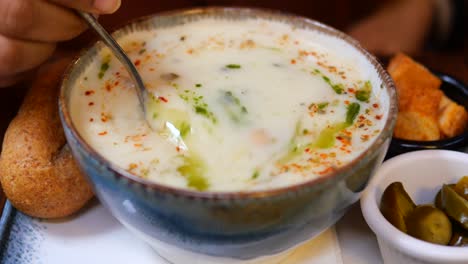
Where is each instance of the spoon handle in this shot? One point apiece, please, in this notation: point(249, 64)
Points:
point(119, 53)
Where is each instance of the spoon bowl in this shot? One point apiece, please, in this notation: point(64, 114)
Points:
point(119, 53)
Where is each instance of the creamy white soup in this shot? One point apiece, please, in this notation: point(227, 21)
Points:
point(233, 105)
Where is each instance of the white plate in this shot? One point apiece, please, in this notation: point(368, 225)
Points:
point(94, 236)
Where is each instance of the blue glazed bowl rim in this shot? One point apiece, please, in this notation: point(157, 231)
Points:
point(185, 15)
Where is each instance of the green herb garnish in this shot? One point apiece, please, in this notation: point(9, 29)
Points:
point(233, 106)
point(198, 85)
point(233, 66)
point(293, 148)
point(193, 170)
point(352, 112)
point(199, 105)
point(184, 129)
point(364, 93)
point(201, 110)
point(104, 66)
point(169, 119)
point(338, 88)
point(322, 106)
point(255, 174)
point(142, 51)
point(316, 71)
point(326, 138)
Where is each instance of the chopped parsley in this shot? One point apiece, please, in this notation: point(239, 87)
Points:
point(184, 129)
point(326, 138)
point(233, 66)
point(293, 145)
point(338, 88)
point(199, 105)
point(322, 106)
point(105, 64)
point(174, 123)
point(318, 107)
point(364, 93)
point(201, 110)
point(233, 107)
point(193, 170)
point(198, 85)
point(352, 112)
point(255, 174)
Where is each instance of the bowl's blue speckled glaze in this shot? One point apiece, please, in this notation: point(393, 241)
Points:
point(240, 225)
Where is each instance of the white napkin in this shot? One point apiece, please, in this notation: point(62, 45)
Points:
point(323, 249)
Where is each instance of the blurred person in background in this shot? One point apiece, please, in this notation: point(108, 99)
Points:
point(30, 30)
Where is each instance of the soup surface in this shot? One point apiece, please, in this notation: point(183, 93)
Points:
point(234, 105)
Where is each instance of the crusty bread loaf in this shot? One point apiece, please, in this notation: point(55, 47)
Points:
point(37, 171)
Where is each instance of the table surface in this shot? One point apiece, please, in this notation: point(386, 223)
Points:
point(349, 242)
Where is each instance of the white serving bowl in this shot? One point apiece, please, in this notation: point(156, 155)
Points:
point(422, 174)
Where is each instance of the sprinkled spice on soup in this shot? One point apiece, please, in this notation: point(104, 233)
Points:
point(233, 105)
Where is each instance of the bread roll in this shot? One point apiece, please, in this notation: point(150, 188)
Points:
point(37, 171)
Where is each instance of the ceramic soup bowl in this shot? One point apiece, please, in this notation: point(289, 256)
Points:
point(226, 225)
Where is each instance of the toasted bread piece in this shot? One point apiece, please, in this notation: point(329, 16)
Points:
point(425, 102)
point(415, 126)
point(417, 88)
point(37, 171)
point(453, 119)
point(405, 70)
point(444, 102)
point(419, 99)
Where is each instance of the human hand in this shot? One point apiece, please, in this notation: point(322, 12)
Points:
point(30, 29)
point(401, 27)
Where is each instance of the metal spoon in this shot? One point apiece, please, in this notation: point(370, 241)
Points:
point(127, 63)
point(120, 54)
